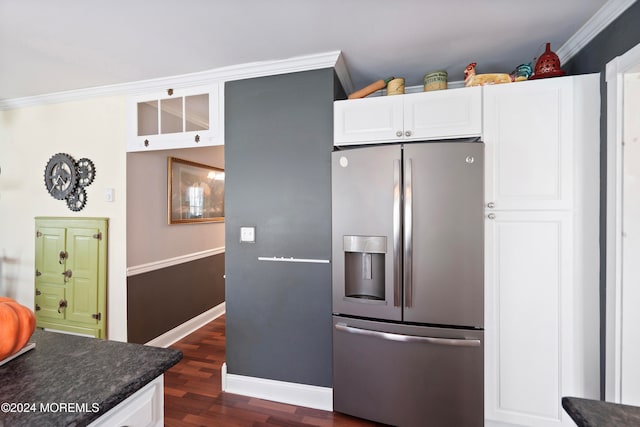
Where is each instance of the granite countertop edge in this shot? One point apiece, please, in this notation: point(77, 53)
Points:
point(595, 413)
point(65, 368)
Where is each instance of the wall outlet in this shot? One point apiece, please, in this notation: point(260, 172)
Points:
point(248, 234)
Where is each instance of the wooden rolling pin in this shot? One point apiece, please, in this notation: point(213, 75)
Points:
point(368, 90)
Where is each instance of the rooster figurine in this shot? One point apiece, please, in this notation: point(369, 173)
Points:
point(473, 79)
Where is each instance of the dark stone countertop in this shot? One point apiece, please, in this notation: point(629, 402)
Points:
point(597, 413)
point(78, 370)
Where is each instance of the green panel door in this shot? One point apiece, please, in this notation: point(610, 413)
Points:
point(49, 278)
point(50, 255)
point(82, 246)
point(48, 301)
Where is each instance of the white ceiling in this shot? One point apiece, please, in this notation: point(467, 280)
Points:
point(51, 46)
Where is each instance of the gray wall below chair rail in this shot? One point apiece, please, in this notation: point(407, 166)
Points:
point(163, 299)
point(620, 36)
point(278, 143)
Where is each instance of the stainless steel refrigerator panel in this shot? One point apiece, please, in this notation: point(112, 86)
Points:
point(406, 375)
point(365, 232)
point(444, 233)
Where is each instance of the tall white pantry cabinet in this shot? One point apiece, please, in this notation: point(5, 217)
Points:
point(541, 230)
point(541, 248)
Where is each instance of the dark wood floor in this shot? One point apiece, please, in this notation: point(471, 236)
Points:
point(193, 395)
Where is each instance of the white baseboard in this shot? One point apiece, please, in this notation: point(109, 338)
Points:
point(181, 331)
point(309, 396)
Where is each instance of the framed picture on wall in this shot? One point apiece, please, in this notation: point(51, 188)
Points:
point(195, 192)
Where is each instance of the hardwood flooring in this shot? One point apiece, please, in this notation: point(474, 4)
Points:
point(193, 395)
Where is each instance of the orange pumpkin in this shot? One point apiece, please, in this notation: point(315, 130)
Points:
point(17, 324)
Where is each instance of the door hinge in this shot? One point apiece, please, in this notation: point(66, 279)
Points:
point(98, 235)
point(38, 274)
point(97, 316)
point(37, 307)
point(38, 234)
point(38, 292)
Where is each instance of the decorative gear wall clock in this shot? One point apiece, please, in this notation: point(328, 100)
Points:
point(66, 179)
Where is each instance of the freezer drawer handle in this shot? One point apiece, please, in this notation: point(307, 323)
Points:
point(457, 342)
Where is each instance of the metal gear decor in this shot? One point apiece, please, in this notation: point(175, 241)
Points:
point(60, 176)
point(86, 172)
point(77, 199)
point(66, 179)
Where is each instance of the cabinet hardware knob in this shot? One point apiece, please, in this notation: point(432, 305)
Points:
point(491, 216)
point(491, 205)
point(407, 133)
point(146, 142)
point(399, 133)
point(67, 274)
point(197, 138)
point(62, 304)
point(63, 256)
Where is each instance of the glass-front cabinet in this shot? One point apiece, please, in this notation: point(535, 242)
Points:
point(175, 118)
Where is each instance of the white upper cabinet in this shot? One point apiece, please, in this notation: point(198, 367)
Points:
point(180, 118)
point(452, 113)
point(528, 132)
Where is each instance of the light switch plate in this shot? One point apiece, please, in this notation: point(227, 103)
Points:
point(108, 194)
point(248, 234)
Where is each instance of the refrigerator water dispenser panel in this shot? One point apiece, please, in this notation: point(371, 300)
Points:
point(364, 261)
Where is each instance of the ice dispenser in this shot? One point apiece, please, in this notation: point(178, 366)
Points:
point(364, 267)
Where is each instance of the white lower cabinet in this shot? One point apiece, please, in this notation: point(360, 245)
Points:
point(145, 408)
point(529, 311)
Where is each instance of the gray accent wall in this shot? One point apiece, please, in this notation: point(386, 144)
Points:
point(620, 36)
point(278, 143)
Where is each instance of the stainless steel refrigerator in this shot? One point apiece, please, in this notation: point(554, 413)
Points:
point(408, 283)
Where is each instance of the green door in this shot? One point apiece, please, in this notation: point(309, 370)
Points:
point(50, 268)
point(82, 291)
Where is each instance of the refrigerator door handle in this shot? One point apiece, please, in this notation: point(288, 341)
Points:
point(397, 279)
point(456, 342)
point(408, 234)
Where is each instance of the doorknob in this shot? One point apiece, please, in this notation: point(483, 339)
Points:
point(62, 304)
point(63, 256)
point(67, 274)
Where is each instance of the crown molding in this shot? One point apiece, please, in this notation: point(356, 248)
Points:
point(235, 72)
point(598, 22)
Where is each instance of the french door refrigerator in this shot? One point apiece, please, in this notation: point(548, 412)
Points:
point(408, 283)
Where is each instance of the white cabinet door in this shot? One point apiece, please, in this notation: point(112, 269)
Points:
point(186, 118)
point(529, 317)
point(144, 408)
point(357, 121)
point(528, 132)
point(452, 113)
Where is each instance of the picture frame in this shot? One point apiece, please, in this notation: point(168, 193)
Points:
point(195, 192)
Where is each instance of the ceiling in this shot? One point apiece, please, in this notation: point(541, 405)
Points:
point(51, 46)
